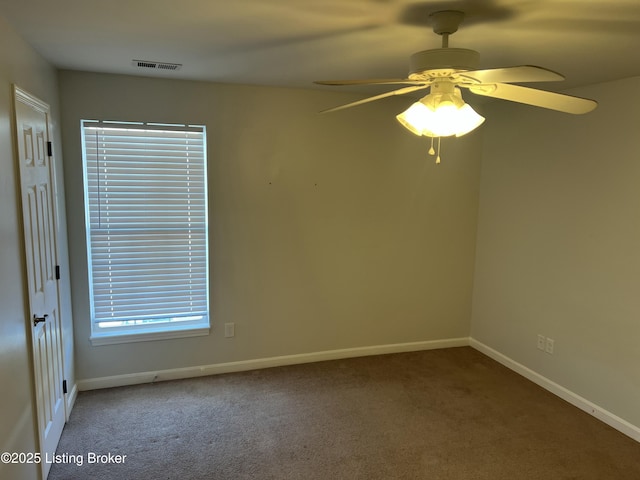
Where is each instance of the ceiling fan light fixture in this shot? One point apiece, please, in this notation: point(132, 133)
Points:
point(441, 115)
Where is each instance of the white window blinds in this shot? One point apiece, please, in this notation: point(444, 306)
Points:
point(147, 222)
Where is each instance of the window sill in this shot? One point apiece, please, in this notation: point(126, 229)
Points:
point(146, 335)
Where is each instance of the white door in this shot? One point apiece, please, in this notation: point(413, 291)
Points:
point(36, 174)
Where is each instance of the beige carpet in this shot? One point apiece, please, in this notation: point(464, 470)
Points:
point(439, 414)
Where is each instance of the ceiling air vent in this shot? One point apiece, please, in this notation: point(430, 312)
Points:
point(147, 64)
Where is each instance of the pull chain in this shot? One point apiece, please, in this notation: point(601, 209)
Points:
point(432, 150)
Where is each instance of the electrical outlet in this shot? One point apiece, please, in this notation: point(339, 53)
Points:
point(229, 330)
point(541, 342)
point(549, 346)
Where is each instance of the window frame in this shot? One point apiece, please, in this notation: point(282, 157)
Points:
point(145, 330)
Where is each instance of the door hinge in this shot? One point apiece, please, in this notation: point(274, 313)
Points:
point(49, 149)
point(57, 272)
point(64, 386)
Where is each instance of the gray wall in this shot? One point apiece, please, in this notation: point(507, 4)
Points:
point(326, 231)
point(20, 65)
point(558, 244)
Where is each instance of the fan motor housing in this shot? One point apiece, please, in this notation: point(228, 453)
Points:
point(441, 61)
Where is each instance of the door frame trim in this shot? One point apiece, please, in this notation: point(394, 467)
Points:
point(25, 97)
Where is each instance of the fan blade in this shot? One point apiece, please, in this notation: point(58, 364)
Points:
point(538, 98)
point(379, 81)
point(400, 91)
point(519, 74)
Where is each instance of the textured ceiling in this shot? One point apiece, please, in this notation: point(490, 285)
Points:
point(293, 42)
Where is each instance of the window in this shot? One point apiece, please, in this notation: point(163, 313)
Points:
point(146, 219)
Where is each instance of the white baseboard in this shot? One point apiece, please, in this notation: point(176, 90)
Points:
point(71, 400)
point(217, 368)
point(582, 403)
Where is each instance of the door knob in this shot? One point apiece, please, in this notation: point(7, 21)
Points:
point(37, 319)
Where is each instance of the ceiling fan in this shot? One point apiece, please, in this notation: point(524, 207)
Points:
point(445, 70)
